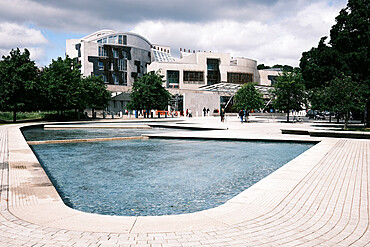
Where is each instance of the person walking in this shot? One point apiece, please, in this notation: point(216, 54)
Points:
point(241, 115)
point(222, 114)
point(204, 111)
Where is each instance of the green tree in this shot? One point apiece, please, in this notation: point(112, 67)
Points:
point(148, 93)
point(62, 85)
point(289, 92)
point(248, 98)
point(347, 96)
point(95, 93)
point(17, 77)
point(347, 52)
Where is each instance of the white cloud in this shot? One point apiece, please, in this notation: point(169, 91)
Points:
point(270, 31)
point(13, 35)
point(282, 41)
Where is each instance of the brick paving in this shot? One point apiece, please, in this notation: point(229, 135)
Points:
point(320, 198)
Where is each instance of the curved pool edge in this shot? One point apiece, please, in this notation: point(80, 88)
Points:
point(33, 198)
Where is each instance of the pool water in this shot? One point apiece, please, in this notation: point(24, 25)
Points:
point(159, 176)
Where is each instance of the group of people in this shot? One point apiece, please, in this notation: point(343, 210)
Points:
point(243, 114)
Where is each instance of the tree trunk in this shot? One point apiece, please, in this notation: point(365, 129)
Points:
point(93, 113)
point(287, 116)
point(337, 117)
point(329, 117)
point(367, 114)
point(14, 116)
point(346, 117)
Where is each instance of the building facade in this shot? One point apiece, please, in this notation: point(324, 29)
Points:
point(122, 57)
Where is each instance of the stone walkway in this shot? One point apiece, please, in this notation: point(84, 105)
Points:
point(321, 198)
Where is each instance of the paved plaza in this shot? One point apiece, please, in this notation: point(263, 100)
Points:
point(320, 198)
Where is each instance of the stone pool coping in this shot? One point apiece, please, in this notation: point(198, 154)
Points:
point(32, 198)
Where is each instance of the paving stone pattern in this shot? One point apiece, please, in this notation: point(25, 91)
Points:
point(328, 207)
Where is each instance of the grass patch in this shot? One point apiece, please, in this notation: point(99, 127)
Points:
point(7, 117)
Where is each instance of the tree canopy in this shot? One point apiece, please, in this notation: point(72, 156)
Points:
point(17, 78)
point(148, 93)
point(346, 55)
point(59, 86)
point(248, 98)
point(289, 92)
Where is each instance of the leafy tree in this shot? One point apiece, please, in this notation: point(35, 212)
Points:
point(148, 93)
point(95, 93)
point(347, 95)
point(62, 85)
point(289, 92)
point(248, 98)
point(17, 78)
point(262, 66)
point(347, 52)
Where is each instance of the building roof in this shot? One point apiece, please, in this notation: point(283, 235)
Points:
point(163, 57)
point(231, 88)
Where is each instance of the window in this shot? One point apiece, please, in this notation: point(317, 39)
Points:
point(124, 79)
point(111, 66)
point(102, 52)
point(99, 41)
point(115, 79)
point(172, 78)
point(115, 53)
point(122, 39)
point(213, 71)
point(104, 78)
point(124, 54)
point(122, 65)
point(101, 65)
point(105, 40)
point(194, 77)
point(239, 78)
point(112, 39)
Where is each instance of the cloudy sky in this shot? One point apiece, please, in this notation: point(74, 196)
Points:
point(269, 31)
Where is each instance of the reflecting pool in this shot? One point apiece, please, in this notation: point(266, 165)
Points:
point(159, 176)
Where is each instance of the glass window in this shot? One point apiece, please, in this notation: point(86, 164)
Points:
point(124, 79)
point(239, 78)
point(104, 78)
point(101, 65)
point(99, 41)
point(111, 66)
point(120, 39)
point(112, 39)
point(122, 64)
point(102, 52)
point(124, 54)
point(194, 77)
point(115, 79)
point(115, 53)
point(173, 78)
point(105, 40)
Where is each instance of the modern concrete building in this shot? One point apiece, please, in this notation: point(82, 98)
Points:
point(120, 58)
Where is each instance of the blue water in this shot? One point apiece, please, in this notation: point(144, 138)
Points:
point(159, 177)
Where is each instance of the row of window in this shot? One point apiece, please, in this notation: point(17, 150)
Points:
point(239, 78)
point(197, 77)
point(117, 79)
point(102, 52)
point(114, 39)
point(121, 64)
